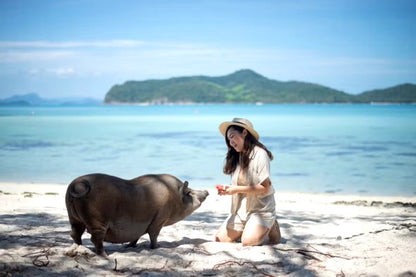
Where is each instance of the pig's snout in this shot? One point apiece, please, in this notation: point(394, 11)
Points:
point(201, 195)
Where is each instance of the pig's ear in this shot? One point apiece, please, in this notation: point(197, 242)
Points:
point(185, 189)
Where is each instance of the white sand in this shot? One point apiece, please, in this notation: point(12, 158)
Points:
point(320, 238)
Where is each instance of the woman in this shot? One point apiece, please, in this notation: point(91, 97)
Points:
point(248, 163)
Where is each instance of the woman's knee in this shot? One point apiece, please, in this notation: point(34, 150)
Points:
point(223, 239)
point(254, 236)
point(227, 235)
point(251, 241)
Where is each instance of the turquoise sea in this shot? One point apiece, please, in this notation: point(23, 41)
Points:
point(360, 149)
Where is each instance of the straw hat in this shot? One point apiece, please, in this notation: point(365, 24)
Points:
point(242, 122)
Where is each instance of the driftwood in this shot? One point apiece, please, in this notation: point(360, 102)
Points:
point(252, 265)
point(309, 253)
point(409, 226)
point(41, 258)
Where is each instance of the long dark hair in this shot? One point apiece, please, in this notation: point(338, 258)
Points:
point(233, 157)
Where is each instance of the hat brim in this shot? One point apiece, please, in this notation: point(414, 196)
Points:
point(224, 126)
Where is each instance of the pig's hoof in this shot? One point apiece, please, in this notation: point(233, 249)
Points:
point(103, 254)
point(132, 244)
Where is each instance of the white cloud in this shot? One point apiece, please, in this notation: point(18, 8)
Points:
point(346, 61)
point(33, 56)
point(62, 71)
point(70, 44)
point(33, 72)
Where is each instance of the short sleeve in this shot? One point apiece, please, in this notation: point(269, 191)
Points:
point(262, 166)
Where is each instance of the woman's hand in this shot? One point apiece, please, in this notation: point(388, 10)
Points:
point(223, 190)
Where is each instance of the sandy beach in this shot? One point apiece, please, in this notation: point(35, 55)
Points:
point(323, 235)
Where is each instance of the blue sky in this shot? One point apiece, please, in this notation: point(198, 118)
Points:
point(81, 48)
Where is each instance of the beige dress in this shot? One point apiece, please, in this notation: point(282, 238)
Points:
point(252, 209)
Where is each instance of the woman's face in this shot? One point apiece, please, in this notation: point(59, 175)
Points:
point(236, 138)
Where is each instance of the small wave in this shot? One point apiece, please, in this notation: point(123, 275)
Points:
point(167, 135)
point(333, 190)
point(407, 154)
point(368, 148)
point(294, 174)
point(340, 153)
point(25, 145)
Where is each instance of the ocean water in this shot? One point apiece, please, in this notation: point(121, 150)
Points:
point(360, 149)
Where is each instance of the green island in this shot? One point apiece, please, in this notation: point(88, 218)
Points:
point(246, 86)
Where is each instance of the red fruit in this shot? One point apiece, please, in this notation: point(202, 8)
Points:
point(221, 187)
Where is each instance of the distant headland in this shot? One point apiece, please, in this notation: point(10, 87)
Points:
point(246, 86)
point(33, 99)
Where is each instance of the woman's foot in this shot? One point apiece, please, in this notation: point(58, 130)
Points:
point(274, 233)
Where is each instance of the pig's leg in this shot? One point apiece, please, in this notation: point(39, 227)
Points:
point(97, 238)
point(77, 229)
point(153, 239)
point(154, 230)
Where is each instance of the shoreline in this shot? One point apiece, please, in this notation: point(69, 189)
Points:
point(360, 196)
point(320, 237)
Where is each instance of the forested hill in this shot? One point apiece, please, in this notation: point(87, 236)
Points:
point(405, 93)
point(246, 86)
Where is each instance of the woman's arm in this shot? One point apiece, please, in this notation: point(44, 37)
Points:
point(262, 188)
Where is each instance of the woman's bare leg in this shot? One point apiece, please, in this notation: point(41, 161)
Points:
point(227, 235)
point(274, 233)
point(254, 235)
